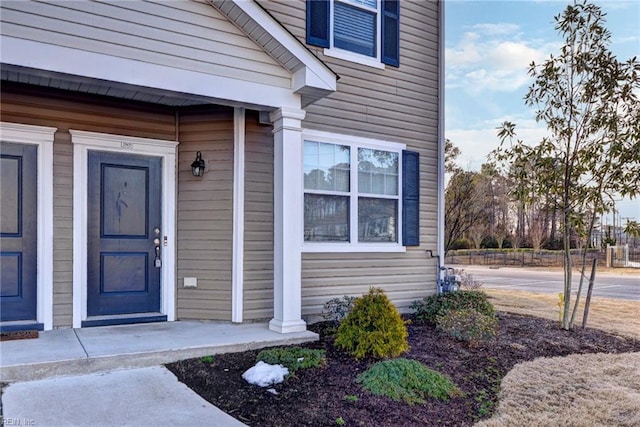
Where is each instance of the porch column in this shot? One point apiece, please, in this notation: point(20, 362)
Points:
point(287, 221)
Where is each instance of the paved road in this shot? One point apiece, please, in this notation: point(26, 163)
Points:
point(609, 285)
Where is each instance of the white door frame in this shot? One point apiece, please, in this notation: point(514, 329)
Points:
point(83, 142)
point(42, 137)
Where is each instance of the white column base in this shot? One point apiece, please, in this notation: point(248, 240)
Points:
point(287, 327)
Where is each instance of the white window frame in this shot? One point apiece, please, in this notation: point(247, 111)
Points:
point(354, 142)
point(348, 55)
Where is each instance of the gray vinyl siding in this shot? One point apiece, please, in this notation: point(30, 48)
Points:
point(64, 111)
point(205, 214)
point(258, 222)
point(189, 35)
point(396, 105)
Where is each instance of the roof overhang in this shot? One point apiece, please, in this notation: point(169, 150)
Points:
point(43, 64)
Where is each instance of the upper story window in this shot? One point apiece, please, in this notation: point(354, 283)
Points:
point(355, 26)
point(363, 31)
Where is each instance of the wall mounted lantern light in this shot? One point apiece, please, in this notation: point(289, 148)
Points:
point(197, 167)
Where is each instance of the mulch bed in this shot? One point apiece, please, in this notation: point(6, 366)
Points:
point(18, 335)
point(316, 397)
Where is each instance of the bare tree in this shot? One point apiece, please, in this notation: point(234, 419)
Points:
point(476, 233)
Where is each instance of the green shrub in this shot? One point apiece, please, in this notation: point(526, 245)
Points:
point(406, 380)
point(468, 325)
point(429, 308)
point(207, 359)
point(373, 328)
point(293, 358)
point(461, 244)
point(336, 309)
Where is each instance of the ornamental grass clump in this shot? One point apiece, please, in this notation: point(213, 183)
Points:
point(293, 358)
point(430, 308)
point(468, 325)
point(373, 328)
point(408, 381)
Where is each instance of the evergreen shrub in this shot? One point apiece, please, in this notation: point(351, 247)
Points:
point(373, 327)
point(468, 325)
point(429, 308)
point(336, 309)
point(293, 358)
point(406, 380)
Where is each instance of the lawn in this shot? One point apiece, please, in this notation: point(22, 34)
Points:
point(484, 373)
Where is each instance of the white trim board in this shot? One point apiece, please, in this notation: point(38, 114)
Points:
point(44, 56)
point(83, 142)
point(312, 77)
point(42, 137)
point(237, 274)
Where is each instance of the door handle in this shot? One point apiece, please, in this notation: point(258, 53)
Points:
point(157, 262)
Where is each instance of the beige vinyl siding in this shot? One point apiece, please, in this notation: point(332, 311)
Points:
point(64, 110)
point(258, 222)
point(396, 105)
point(205, 213)
point(63, 230)
point(189, 35)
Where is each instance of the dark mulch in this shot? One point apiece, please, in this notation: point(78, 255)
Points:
point(316, 397)
point(18, 335)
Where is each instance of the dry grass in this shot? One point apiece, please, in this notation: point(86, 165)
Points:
point(578, 390)
point(589, 390)
point(621, 317)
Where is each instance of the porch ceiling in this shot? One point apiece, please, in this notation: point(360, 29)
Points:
point(17, 74)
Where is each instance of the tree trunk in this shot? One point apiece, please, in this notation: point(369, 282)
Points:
point(567, 269)
point(587, 302)
point(582, 270)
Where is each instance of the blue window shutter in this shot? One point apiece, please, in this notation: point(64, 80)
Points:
point(391, 32)
point(318, 23)
point(410, 198)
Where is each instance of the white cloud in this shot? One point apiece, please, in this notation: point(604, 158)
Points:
point(508, 55)
point(496, 29)
point(493, 58)
point(476, 144)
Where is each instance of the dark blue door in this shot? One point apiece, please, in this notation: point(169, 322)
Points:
point(18, 232)
point(124, 236)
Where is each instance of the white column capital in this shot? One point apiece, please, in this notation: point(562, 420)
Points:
point(287, 118)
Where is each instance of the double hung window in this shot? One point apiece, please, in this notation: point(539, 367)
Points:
point(352, 194)
point(355, 26)
point(364, 31)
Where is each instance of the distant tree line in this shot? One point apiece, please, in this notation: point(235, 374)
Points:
point(485, 209)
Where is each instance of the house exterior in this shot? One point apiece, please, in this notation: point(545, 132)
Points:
point(319, 124)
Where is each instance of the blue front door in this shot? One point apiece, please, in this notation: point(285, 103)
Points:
point(124, 235)
point(18, 232)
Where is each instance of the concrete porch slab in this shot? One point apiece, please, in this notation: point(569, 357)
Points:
point(106, 348)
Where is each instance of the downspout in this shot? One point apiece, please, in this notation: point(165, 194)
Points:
point(440, 240)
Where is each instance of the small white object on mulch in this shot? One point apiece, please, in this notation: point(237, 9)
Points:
point(264, 374)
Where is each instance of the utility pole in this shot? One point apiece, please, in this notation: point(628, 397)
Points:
point(626, 237)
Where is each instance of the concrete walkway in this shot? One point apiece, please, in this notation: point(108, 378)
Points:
point(136, 397)
point(112, 375)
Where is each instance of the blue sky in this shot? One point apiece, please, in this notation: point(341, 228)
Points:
point(488, 47)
